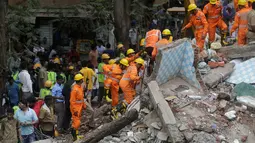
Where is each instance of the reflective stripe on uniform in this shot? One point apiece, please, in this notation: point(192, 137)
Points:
point(212, 17)
point(199, 27)
point(243, 26)
point(115, 79)
point(128, 79)
point(79, 101)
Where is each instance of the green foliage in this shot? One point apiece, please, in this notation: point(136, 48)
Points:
point(98, 13)
point(20, 27)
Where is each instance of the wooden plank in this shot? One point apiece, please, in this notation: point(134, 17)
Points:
point(164, 112)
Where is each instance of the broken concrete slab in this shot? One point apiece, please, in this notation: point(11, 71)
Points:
point(238, 52)
point(203, 137)
point(218, 75)
point(164, 112)
point(162, 136)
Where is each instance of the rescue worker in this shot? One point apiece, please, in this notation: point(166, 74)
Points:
point(142, 44)
point(198, 20)
point(131, 56)
point(115, 74)
point(101, 77)
point(46, 90)
point(152, 37)
point(241, 23)
point(127, 84)
point(52, 75)
point(166, 34)
point(88, 74)
point(77, 104)
point(213, 12)
point(121, 51)
point(236, 5)
point(108, 81)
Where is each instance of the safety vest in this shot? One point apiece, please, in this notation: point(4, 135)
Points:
point(63, 76)
point(15, 75)
point(100, 70)
point(152, 37)
point(52, 77)
point(45, 92)
point(122, 55)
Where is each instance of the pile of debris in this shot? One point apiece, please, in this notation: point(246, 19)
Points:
point(175, 109)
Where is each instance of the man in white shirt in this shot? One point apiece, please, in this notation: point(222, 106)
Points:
point(25, 79)
point(100, 48)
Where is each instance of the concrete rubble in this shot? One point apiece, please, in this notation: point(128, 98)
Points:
point(176, 111)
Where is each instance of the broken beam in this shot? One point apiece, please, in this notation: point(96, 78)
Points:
point(110, 128)
point(164, 112)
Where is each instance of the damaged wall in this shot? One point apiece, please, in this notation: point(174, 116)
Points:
point(176, 60)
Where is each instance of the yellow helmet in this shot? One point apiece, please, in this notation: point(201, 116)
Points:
point(56, 61)
point(78, 77)
point(112, 61)
point(120, 46)
point(142, 42)
point(213, 1)
point(105, 56)
point(166, 32)
point(37, 65)
point(242, 2)
point(124, 62)
point(130, 51)
point(192, 7)
point(48, 83)
point(139, 61)
point(70, 67)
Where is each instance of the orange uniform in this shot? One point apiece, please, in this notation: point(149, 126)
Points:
point(112, 81)
point(214, 19)
point(241, 22)
point(131, 59)
point(127, 83)
point(76, 105)
point(107, 72)
point(152, 37)
point(201, 28)
point(236, 5)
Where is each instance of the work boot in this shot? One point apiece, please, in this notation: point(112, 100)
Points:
point(107, 95)
point(121, 107)
point(223, 39)
point(73, 132)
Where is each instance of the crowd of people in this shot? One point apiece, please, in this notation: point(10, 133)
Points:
point(50, 93)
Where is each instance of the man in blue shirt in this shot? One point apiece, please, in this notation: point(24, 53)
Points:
point(26, 118)
point(59, 104)
point(12, 92)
